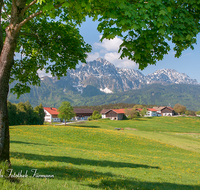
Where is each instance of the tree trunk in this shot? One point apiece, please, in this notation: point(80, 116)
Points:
point(6, 63)
point(4, 126)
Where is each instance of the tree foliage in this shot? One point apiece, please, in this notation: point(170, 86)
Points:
point(24, 114)
point(66, 111)
point(180, 109)
point(39, 111)
point(45, 34)
point(145, 27)
point(139, 106)
point(131, 113)
point(198, 113)
point(143, 112)
point(190, 112)
point(95, 115)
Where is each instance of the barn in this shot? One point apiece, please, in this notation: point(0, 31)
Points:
point(113, 114)
point(82, 114)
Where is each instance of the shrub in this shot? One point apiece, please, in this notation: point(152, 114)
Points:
point(131, 113)
point(96, 115)
point(89, 118)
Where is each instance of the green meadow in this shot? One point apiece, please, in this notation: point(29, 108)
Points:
point(147, 153)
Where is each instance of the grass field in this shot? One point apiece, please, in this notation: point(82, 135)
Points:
point(150, 153)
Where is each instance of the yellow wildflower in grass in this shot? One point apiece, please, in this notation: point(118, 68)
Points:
point(85, 157)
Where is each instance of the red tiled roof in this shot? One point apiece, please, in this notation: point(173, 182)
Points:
point(52, 111)
point(151, 109)
point(170, 108)
point(119, 111)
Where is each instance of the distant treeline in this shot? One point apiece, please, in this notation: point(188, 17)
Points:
point(112, 106)
point(25, 114)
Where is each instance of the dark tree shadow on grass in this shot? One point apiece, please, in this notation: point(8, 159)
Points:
point(79, 161)
point(106, 180)
point(134, 184)
point(81, 125)
point(29, 143)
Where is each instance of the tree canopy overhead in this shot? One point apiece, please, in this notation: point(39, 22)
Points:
point(45, 34)
point(48, 32)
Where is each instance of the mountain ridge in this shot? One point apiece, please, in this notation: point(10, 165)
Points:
point(109, 79)
point(92, 84)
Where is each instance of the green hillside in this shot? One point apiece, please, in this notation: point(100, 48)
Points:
point(52, 94)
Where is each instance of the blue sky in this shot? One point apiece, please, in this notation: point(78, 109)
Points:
point(188, 63)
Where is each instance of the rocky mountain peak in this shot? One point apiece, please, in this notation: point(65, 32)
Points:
point(170, 76)
point(104, 76)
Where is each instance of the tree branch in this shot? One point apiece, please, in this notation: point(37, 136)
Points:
point(34, 14)
point(29, 18)
point(28, 6)
point(5, 10)
point(35, 35)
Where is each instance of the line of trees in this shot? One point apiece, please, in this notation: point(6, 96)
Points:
point(99, 108)
point(181, 109)
point(25, 114)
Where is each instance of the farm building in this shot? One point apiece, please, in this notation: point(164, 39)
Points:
point(164, 111)
point(51, 114)
point(113, 114)
point(151, 112)
point(82, 114)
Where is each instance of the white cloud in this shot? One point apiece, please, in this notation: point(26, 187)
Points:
point(92, 56)
point(41, 73)
point(109, 45)
point(108, 49)
point(113, 57)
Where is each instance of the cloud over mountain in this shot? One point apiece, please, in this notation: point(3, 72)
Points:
point(106, 77)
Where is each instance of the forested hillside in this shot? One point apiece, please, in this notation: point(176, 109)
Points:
point(156, 94)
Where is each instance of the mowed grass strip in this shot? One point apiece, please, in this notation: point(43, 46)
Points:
point(93, 155)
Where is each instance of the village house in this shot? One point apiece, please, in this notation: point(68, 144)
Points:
point(151, 112)
point(164, 111)
point(82, 114)
point(113, 114)
point(51, 114)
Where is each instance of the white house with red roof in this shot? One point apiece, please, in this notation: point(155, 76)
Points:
point(51, 114)
point(151, 112)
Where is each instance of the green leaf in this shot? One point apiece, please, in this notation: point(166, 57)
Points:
point(169, 9)
point(188, 37)
point(162, 12)
point(66, 4)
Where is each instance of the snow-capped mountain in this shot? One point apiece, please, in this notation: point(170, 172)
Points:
point(106, 77)
point(169, 76)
